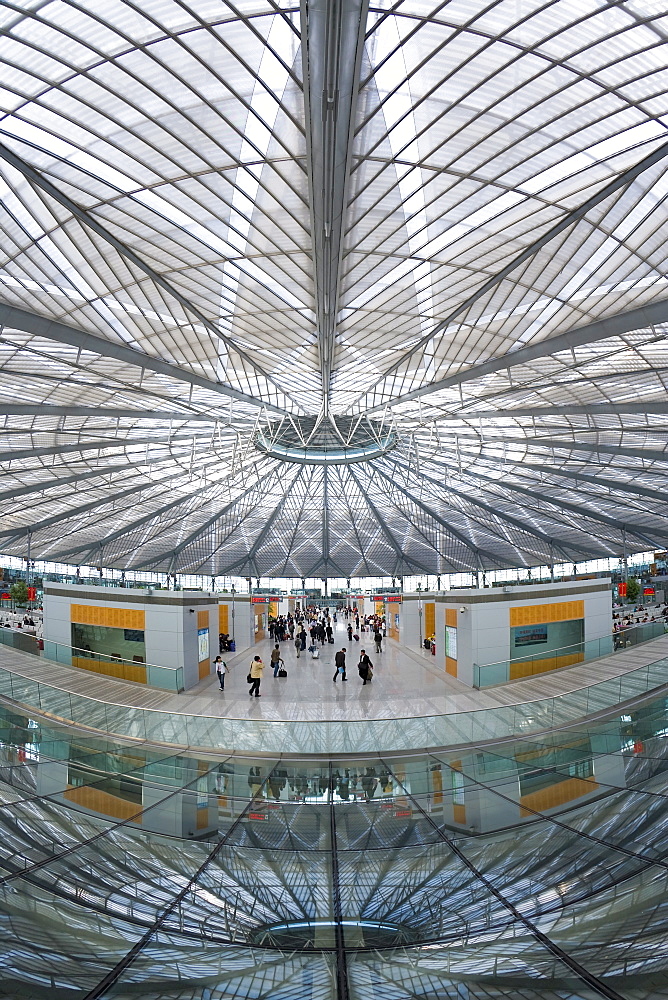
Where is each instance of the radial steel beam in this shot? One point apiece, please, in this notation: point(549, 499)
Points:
point(39, 180)
point(332, 45)
point(51, 484)
point(402, 558)
point(567, 220)
point(57, 449)
point(325, 519)
point(249, 557)
point(151, 516)
point(659, 406)
point(643, 318)
point(41, 326)
point(471, 546)
point(608, 449)
point(114, 412)
point(502, 515)
point(586, 512)
point(111, 498)
point(612, 484)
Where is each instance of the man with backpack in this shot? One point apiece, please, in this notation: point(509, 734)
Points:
point(365, 667)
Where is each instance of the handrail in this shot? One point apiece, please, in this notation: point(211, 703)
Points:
point(498, 671)
point(343, 737)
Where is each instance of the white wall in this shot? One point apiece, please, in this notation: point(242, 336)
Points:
point(58, 627)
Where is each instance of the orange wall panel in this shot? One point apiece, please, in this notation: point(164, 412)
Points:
point(223, 618)
point(539, 614)
point(557, 795)
point(103, 802)
point(88, 614)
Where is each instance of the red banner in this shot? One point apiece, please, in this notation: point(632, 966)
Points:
point(621, 589)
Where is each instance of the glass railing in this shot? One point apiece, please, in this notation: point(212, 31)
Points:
point(502, 671)
point(167, 678)
point(255, 735)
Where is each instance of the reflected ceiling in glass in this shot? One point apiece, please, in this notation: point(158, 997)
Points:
point(444, 221)
point(532, 868)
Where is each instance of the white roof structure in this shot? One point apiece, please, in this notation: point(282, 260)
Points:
point(338, 289)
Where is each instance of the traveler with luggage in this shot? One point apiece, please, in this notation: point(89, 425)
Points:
point(365, 667)
point(276, 659)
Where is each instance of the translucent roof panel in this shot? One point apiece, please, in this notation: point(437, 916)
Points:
point(228, 226)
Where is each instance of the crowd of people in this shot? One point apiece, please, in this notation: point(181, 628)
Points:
point(640, 615)
point(347, 784)
point(317, 624)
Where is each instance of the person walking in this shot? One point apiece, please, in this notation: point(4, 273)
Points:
point(365, 667)
point(340, 663)
point(302, 636)
point(255, 674)
point(221, 670)
point(350, 633)
point(298, 643)
point(276, 659)
point(378, 639)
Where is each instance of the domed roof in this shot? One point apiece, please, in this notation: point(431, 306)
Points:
point(440, 228)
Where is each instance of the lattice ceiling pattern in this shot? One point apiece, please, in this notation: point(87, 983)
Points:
point(220, 219)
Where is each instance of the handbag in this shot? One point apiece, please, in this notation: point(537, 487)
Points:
point(282, 673)
point(249, 679)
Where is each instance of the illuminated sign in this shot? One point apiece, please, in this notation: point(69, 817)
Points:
point(261, 600)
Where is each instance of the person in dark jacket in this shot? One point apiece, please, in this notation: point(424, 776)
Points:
point(365, 667)
point(340, 661)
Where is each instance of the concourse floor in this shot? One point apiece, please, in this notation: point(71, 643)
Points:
point(405, 683)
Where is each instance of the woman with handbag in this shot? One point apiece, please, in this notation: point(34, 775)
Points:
point(255, 676)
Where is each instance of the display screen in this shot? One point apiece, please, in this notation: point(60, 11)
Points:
point(530, 635)
point(203, 644)
point(451, 641)
point(133, 634)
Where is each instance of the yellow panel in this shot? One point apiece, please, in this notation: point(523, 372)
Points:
point(429, 619)
point(540, 614)
point(380, 608)
point(527, 668)
point(459, 814)
point(450, 666)
point(437, 785)
point(124, 671)
point(451, 617)
point(223, 618)
point(556, 795)
point(103, 802)
point(202, 619)
point(87, 614)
